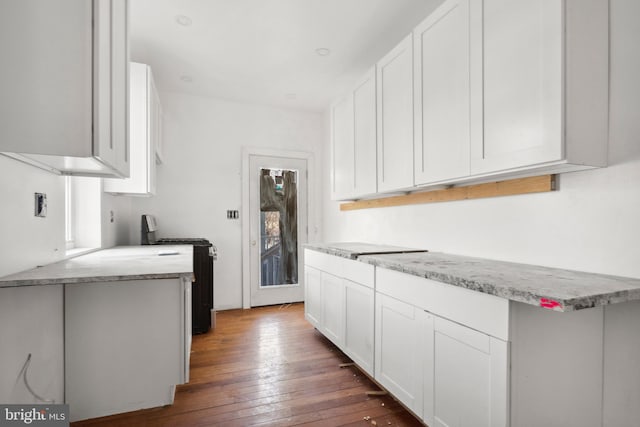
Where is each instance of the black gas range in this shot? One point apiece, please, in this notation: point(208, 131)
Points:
point(204, 254)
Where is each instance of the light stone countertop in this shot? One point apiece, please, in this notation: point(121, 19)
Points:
point(109, 265)
point(352, 250)
point(551, 288)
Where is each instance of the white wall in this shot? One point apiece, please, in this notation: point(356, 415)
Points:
point(592, 223)
point(201, 176)
point(27, 241)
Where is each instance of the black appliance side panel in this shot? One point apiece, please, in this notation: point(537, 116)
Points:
point(202, 290)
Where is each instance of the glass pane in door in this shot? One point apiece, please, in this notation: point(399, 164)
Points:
point(278, 227)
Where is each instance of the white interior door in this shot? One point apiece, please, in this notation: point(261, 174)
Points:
point(278, 228)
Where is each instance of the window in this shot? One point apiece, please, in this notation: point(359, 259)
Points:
point(82, 221)
point(68, 214)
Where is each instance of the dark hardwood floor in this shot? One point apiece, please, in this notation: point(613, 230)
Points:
point(268, 367)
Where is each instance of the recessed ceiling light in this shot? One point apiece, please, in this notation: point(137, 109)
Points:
point(323, 51)
point(291, 96)
point(186, 79)
point(183, 20)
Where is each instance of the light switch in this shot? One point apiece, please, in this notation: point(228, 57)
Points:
point(40, 205)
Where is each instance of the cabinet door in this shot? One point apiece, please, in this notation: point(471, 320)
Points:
point(399, 350)
point(395, 118)
point(364, 118)
point(342, 148)
point(155, 128)
point(333, 308)
point(46, 77)
point(120, 85)
point(359, 320)
point(110, 141)
point(312, 296)
point(466, 377)
point(523, 77)
point(442, 94)
point(143, 133)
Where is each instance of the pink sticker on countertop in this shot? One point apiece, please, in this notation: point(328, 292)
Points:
point(549, 303)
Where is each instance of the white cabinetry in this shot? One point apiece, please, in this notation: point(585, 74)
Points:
point(395, 117)
point(339, 295)
point(488, 90)
point(364, 135)
point(399, 350)
point(465, 377)
point(442, 79)
point(31, 323)
point(65, 85)
point(131, 361)
point(342, 148)
point(545, 76)
point(332, 297)
point(312, 295)
point(442, 350)
point(359, 313)
point(354, 141)
point(457, 357)
point(144, 135)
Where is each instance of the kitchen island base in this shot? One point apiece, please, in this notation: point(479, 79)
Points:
point(127, 344)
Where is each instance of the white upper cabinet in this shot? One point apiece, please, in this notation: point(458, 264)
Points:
point(342, 148)
point(353, 141)
point(442, 94)
point(545, 75)
point(364, 123)
point(395, 118)
point(65, 85)
point(144, 132)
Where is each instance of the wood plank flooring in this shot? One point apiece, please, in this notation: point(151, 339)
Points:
point(268, 367)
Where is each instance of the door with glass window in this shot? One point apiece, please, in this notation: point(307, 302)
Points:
point(278, 222)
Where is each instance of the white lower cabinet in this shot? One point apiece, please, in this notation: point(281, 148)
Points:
point(399, 350)
point(332, 297)
point(129, 361)
point(359, 315)
point(442, 350)
point(461, 358)
point(312, 295)
point(465, 376)
point(339, 302)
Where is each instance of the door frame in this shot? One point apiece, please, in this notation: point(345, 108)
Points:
point(247, 152)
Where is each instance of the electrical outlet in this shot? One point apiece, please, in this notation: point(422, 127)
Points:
point(40, 205)
point(233, 214)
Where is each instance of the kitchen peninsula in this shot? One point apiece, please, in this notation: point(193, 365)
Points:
point(116, 334)
point(471, 341)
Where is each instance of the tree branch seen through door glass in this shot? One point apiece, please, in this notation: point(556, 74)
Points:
point(278, 227)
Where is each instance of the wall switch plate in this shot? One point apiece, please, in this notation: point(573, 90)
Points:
point(40, 205)
point(233, 214)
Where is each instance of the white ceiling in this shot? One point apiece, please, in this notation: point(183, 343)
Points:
point(263, 51)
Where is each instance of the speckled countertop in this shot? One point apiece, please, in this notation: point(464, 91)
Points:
point(353, 250)
point(551, 288)
point(108, 265)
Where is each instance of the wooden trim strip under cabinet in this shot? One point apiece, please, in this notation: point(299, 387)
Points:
point(534, 184)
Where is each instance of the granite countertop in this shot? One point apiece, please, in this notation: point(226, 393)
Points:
point(353, 250)
point(108, 265)
point(551, 288)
